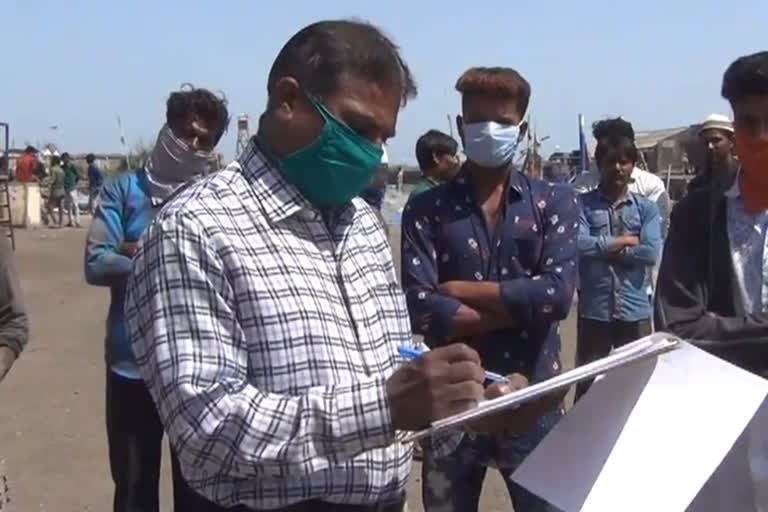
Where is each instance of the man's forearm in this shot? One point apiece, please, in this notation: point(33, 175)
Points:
point(274, 433)
point(483, 296)
point(469, 322)
point(106, 268)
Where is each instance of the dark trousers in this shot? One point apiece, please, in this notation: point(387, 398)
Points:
point(454, 482)
point(135, 436)
point(596, 338)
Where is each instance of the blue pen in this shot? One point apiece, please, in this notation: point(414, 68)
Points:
point(415, 352)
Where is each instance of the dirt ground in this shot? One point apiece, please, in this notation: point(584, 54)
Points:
point(52, 433)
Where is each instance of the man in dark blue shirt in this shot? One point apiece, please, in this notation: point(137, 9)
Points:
point(490, 258)
point(619, 243)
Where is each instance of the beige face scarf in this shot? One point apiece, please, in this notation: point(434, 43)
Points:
point(172, 163)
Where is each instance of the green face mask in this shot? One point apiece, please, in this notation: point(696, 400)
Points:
point(336, 166)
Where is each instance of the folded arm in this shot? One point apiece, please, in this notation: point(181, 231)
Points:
point(546, 295)
point(192, 353)
point(646, 252)
point(682, 291)
point(597, 246)
point(434, 312)
point(104, 262)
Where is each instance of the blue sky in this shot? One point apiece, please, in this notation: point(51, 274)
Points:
point(77, 64)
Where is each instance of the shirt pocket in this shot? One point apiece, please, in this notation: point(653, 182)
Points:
point(630, 219)
point(598, 222)
point(523, 255)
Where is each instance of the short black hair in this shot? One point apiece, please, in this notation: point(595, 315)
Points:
point(65, 155)
point(746, 76)
point(90, 158)
point(319, 54)
point(30, 149)
point(189, 101)
point(496, 82)
point(616, 138)
point(434, 142)
point(55, 160)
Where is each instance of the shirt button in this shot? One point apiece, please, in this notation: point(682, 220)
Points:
point(308, 215)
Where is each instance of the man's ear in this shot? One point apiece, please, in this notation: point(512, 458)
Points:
point(284, 96)
point(435, 159)
point(523, 130)
point(460, 127)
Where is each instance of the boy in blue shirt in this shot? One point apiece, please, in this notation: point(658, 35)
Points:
point(619, 242)
point(195, 121)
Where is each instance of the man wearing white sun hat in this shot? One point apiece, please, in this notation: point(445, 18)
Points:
point(716, 134)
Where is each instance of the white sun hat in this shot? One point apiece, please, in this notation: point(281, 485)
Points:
point(717, 122)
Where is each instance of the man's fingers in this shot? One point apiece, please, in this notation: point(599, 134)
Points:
point(457, 408)
point(466, 371)
point(497, 389)
point(517, 381)
point(454, 353)
point(465, 392)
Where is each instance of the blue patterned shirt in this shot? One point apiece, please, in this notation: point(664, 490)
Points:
point(532, 255)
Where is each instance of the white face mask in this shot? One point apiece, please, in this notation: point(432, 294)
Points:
point(172, 163)
point(491, 144)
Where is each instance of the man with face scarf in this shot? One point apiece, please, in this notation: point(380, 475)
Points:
point(195, 121)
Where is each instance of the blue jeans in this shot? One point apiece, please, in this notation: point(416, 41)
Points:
point(453, 483)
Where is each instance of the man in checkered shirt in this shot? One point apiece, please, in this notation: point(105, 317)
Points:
point(264, 309)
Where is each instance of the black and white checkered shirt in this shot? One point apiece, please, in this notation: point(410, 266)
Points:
point(265, 335)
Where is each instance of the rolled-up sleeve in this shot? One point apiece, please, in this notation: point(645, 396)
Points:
point(431, 312)
point(546, 295)
point(192, 353)
point(647, 251)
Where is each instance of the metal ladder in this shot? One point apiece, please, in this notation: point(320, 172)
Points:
point(5, 209)
point(5, 192)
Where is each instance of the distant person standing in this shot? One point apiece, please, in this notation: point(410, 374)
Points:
point(71, 177)
point(436, 153)
point(720, 167)
point(619, 241)
point(95, 181)
point(56, 193)
point(28, 166)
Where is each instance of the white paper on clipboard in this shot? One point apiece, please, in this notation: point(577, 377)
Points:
point(644, 348)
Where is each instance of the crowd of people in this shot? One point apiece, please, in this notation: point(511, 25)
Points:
point(256, 311)
point(59, 182)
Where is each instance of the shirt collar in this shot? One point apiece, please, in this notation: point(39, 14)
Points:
point(622, 200)
point(516, 181)
point(278, 198)
point(734, 191)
